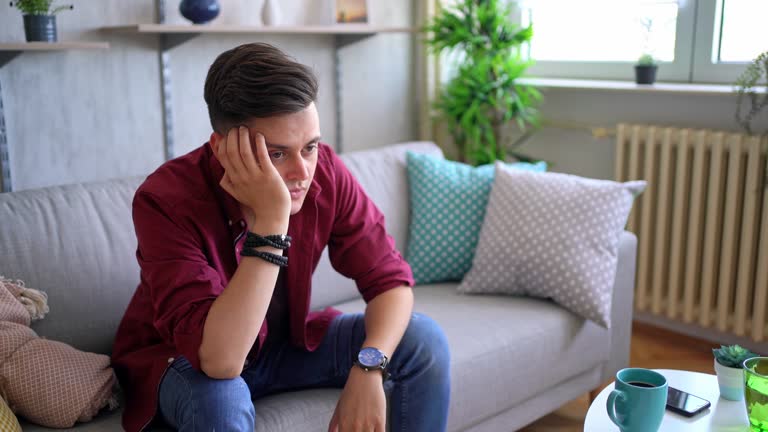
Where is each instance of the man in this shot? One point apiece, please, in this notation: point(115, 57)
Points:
point(218, 319)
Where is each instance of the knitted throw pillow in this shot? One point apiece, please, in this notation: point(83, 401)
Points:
point(47, 382)
point(552, 236)
point(448, 201)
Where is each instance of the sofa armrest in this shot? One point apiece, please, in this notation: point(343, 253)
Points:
point(622, 306)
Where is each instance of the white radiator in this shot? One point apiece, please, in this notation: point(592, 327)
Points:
point(702, 226)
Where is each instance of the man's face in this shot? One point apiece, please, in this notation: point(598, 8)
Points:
point(292, 145)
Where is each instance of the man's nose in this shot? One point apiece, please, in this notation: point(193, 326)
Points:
point(298, 169)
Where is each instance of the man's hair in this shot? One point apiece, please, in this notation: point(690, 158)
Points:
point(256, 80)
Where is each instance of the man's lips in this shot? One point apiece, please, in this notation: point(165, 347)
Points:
point(296, 192)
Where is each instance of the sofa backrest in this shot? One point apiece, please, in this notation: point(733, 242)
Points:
point(77, 243)
point(382, 174)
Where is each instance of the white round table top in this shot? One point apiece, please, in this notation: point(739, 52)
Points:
point(722, 416)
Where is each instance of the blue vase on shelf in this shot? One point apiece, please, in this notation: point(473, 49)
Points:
point(199, 11)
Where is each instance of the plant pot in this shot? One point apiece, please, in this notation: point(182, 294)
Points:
point(731, 382)
point(199, 11)
point(645, 74)
point(40, 28)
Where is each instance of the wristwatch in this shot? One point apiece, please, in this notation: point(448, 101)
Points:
point(370, 358)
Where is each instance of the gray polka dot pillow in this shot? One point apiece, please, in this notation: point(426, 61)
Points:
point(552, 235)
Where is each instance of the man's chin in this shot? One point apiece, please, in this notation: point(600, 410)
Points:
point(296, 206)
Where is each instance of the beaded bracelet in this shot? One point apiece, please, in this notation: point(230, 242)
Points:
point(278, 260)
point(278, 241)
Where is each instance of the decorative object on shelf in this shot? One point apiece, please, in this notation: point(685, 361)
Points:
point(270, 13)
point(40, 19)
point(199, 11)
point(749, 86)
point(484, 99)
point(351, 11)
point(729, 363)
point(645, 69)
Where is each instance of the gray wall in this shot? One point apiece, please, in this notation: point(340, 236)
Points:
point(575, 151)
point(77, 116)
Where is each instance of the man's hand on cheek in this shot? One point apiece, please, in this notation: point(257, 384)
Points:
point(251, 178)
point(362, 406)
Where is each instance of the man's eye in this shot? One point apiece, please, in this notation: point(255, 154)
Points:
point(277, 155)
point(310, 148)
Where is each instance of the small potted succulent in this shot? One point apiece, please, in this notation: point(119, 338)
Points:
point(40, 18)
point(729, 361)
point(645, 69)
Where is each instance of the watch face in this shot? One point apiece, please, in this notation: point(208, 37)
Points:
point(370, 357)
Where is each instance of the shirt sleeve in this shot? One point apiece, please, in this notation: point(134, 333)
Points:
point(360, 247)
point(182, 284)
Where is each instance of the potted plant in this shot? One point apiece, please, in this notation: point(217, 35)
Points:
point(729, 363)
point(748, 85)
point(484, 97)
point(40, 19)
point(645, 69)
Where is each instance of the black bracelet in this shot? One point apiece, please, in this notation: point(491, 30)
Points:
point(278, 241)
point(278, 260)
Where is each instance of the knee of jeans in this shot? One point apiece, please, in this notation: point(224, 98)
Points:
point(229, 397)
point(428, 339)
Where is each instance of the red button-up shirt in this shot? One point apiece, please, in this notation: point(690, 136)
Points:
point(190, 232)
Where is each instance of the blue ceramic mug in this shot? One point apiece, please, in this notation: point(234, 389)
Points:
point(638, 401)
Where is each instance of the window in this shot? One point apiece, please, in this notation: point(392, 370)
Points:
point(694, 40)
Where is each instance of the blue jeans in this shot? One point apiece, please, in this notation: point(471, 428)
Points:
point(418, 389)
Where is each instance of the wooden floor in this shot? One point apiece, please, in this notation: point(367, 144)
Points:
point(651, 348)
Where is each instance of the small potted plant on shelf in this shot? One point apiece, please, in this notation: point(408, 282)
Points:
point(40, 18)
point(729, 361)
point(645, 69)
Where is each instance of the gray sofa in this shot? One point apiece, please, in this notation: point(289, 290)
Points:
point(514, 359)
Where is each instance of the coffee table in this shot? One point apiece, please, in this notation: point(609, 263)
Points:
point(722, 416)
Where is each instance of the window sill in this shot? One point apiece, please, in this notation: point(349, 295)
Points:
point(630, 86)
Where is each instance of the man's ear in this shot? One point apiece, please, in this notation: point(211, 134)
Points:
point(215, 141)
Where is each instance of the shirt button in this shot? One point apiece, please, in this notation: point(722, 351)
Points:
point(229, 222)
point(242, 223)
point(170, 360)
point(246, 362)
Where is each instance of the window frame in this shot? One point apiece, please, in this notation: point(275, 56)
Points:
point(695, 38)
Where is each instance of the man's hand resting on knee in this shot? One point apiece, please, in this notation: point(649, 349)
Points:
point(362, 406)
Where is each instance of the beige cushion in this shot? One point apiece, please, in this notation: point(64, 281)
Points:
point(47, 382)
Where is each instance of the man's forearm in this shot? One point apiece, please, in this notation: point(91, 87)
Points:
point(235, 318)
point(386, 318)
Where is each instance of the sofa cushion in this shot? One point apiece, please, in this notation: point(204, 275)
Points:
point(552, 235)
point(76, 243)
point(448, 201)
point(505, 349)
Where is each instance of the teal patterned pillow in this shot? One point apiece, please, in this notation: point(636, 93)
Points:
point(448, 201)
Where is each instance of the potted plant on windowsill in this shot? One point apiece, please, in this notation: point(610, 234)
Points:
point(40, 19)
point(752, 93)
point(645, 69)
point(729, 363)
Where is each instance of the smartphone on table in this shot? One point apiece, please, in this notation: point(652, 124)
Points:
point(684, 403)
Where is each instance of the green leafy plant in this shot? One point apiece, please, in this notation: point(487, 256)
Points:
point(484, 96)
point(646, 60)
point(39, 7)
point(732, 355)
point(754, 77)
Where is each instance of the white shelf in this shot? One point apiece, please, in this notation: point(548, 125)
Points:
point(51, 46)
point(630, 86)
point(9, 50)
point(340, 29)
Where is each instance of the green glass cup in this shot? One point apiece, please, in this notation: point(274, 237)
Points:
point(756, 392)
